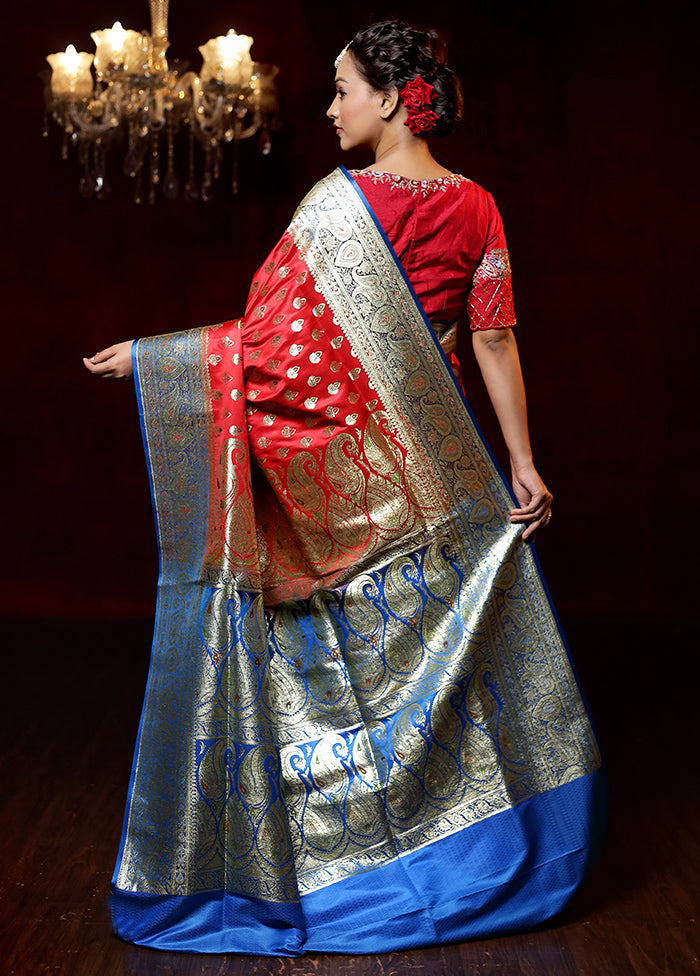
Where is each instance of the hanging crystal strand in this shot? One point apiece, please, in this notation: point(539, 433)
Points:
point(264, 139)
point(86, 186)
point(237, 129)
point(191, 191)
point(138, 187)
point(234, 178)
point(65, 144)
point(106, 185)
point(133, 160)
point(140, 146)
point(230, 124)
point(171, 184)
point(206, 192)
point(216, 156)
point(101, 184)
point(153, 168)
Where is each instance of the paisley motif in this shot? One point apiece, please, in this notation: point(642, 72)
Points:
point(354, 655)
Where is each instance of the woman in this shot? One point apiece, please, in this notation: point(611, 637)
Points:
point(361, 729)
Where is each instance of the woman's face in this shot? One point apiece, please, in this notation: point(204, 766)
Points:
point(355, 110)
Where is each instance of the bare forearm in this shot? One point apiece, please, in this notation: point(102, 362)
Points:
point(497, 355)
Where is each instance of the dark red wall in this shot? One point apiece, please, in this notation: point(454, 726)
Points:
point(576, 121)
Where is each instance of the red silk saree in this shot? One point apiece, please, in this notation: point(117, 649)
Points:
point(361, 729)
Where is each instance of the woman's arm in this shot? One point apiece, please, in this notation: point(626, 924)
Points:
point(113, 363)
point(497, 355)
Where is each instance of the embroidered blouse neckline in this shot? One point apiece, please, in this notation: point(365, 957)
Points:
point(415, 186)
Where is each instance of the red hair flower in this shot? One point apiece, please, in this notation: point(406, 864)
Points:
point(417, 96)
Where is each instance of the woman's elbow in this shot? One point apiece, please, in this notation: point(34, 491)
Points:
point(493, 340)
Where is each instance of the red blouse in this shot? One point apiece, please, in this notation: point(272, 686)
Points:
point(449, 238)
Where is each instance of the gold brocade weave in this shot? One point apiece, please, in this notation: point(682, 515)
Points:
point(354, 653)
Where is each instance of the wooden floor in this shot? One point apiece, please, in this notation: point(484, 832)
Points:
point(71, 700)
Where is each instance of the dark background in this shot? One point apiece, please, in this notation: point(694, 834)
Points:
point(578, 119)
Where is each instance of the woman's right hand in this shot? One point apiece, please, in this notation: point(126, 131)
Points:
point(534, 499)
point(113, 363)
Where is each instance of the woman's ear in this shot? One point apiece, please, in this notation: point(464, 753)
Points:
point(389, 103)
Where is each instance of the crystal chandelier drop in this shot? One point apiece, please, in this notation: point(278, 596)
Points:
point(138, 100)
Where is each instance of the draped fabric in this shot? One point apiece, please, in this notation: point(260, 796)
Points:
point(361, 729)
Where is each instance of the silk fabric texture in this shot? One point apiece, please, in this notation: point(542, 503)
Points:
point(361, 729)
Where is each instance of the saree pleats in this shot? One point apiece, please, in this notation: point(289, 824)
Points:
point(361, 729)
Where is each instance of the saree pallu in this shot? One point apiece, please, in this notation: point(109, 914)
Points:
point(361, 729)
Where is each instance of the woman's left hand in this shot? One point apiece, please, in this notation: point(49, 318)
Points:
point(534, 498)
point(113, 363)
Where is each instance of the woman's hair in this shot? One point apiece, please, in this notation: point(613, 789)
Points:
point(391, 53)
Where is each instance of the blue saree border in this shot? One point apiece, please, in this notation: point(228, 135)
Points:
point(468, 885)
point(209, 922)
point(149, 470)
point(175, 606)
point(504, 875)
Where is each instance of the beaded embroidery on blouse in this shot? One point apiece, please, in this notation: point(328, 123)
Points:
point(417, 187)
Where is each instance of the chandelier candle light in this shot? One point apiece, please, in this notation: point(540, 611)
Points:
point(137, 98)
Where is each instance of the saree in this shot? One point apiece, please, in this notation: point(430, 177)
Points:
point(361, 729)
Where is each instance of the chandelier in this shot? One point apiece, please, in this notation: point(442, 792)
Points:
point(138, 100)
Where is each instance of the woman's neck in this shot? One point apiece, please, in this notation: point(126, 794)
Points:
point(408, 157)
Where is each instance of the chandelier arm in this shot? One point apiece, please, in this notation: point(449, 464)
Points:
point(251, 129)
point(93, 129)
point(204, 115)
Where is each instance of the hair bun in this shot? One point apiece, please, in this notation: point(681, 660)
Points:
point(391, 53)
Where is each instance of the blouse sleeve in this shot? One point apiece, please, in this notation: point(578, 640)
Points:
point(490, 298)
